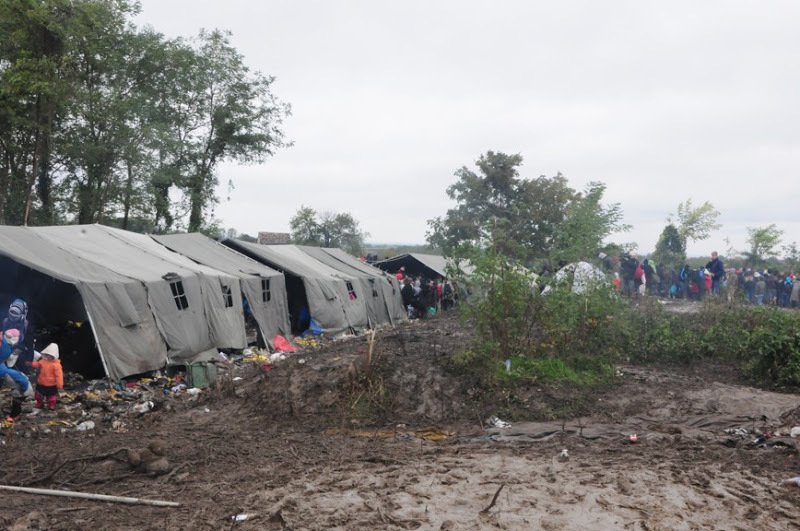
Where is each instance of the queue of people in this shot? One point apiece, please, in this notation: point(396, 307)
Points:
point(767, 287)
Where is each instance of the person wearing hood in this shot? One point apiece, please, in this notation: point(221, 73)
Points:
point(17, 319)
point(23, 387)
point(51, 377)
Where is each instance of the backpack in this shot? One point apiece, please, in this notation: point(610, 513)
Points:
point(701, 275)
point(639, 273)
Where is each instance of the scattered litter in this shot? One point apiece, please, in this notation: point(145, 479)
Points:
point(564, 455)
point(495, 422)
point(301, 361)
point(793, 481)
point(207, 410)
point(633, 438)
point(282, 344)
point(144, 407)
point(508, 366)
point(193, 391)
point(240, 517)
point(740, 432)
point(277, 357)
point(795, 432)
point(238, 379)
point(86, 425)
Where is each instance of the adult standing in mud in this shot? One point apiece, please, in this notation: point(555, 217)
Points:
point(717, 270)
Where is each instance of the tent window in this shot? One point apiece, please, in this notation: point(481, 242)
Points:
point(351, 292)
point(227, 296)
point(266, 294)
point(372, 285)
point(179, 295)
point(394, 290)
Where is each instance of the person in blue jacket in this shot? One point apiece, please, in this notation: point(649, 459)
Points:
point(7, 374)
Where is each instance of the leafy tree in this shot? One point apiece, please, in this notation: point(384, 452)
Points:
point(99, 122)
point(587, 224)
point(227, 113)
point(763, 242)
point(695, 223)
point(328, 229)
point(520, 216)
point(33, 85)
point(102, 122)
point(791, 256)
point(671, 248)
point(304, 227)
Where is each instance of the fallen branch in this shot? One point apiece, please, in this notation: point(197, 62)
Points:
point(494, 499)
point(54, 471)
point(90, 496)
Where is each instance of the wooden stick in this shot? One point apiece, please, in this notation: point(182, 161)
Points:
point(90, 496)
point(494, 499)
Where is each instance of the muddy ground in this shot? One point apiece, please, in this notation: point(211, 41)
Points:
point(331, 440)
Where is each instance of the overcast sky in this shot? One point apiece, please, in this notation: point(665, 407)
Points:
point(662, 101)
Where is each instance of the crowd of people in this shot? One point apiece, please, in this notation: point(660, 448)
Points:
point(636, 278)
point(423, 297)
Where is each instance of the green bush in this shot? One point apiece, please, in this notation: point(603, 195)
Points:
point(578, 338)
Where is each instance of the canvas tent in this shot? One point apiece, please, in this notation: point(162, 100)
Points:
point(394, 301)
point(379, 292)
point(582, 276)
point(263, 287)
point(146, 305)
point(429, 266)
point(330, 296)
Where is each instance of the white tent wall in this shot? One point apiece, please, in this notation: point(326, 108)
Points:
point(330, 280)
point(129, 341)
point(225, 321)
point(326, 294)
point(271, 312)
point(264, 288)
point(123, 324)
point(389, 284)
point(189, 309)
point(369, 292)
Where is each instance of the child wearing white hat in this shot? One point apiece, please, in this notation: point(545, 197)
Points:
point(51, 377)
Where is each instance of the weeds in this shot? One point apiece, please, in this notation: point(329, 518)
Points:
point(578, 338)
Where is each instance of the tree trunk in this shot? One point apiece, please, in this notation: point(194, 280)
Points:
point(128, 192)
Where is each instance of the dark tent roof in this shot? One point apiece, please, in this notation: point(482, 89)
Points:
point(426, 265)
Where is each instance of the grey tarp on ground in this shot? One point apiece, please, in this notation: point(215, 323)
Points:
point(269, 306)
point(326, 288)
point(427, 265)
point(191, 332)
point(383, 291)
point(124, 327)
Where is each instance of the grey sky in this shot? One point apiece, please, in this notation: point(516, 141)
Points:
point(662, 101)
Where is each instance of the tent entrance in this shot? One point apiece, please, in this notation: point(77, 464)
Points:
point(299, 312)
point(56, 314)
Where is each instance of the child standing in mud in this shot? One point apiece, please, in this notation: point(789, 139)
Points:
point(51, 377)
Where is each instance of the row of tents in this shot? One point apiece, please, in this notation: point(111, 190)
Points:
point(175, 299)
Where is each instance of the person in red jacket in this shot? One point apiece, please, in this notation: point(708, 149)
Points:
point(51, 377)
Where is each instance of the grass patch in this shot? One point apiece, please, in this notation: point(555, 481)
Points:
point(554, 370)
